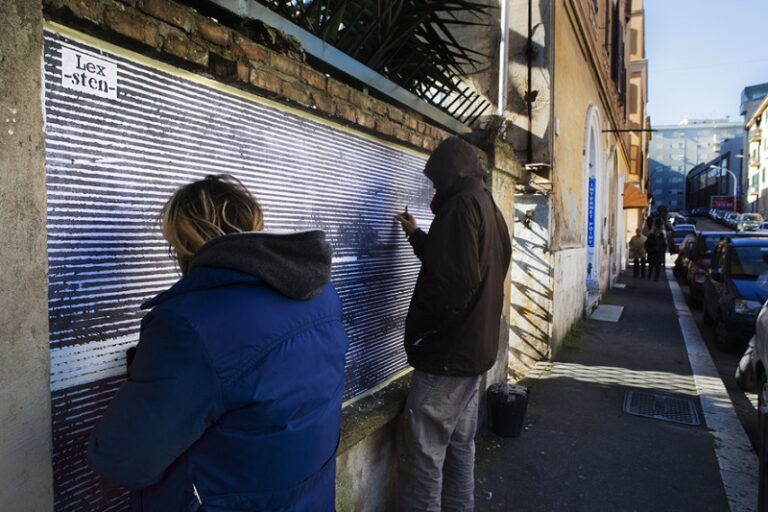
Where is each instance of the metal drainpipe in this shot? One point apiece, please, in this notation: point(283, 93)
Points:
point(503, 60)
point(528, 99)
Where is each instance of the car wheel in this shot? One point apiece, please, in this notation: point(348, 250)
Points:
point(721, 335)
point(762, 391)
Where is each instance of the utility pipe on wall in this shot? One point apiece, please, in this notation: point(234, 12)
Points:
point(503, 59)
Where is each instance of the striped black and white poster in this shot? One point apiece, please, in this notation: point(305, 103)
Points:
point(122, 133)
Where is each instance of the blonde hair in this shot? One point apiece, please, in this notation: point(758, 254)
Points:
point(207, 209)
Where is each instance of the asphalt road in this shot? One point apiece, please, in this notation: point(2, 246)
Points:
point(744, 403)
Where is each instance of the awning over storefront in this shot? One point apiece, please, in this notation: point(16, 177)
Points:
point(634, 197)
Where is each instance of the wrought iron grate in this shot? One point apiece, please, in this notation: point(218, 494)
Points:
point(661, 407)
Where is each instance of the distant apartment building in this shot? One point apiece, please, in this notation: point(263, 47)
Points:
point(719, 176)
point(676, 149)
point(757, 160)
point(752, 101)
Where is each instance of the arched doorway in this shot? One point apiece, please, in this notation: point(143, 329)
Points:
point(593, 173)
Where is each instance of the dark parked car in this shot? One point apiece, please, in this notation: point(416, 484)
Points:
point(679, 233)
point(700, 257)
point(680, 270)
point(735, 290)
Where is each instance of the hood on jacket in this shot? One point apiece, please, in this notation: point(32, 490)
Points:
point(452, 161)
point(298, 265)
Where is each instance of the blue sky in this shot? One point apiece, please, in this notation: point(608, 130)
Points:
point(701, 54)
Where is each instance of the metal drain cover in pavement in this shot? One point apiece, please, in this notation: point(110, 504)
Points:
point(661, 407)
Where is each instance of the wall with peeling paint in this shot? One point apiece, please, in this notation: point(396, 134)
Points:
point(25, 416)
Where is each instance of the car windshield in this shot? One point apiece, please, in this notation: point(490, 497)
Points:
point(681, 231)
point(748, 262)
point(752, 217)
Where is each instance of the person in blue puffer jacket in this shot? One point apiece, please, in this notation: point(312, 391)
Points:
point(233, 399)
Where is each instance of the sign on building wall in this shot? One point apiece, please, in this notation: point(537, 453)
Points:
point(122, 133)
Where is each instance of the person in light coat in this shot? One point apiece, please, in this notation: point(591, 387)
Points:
point(637, 253)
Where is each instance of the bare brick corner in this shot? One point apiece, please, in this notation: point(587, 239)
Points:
point(170, 12)
point(243, 72)
point(365, 120)
point(324, 102)
point(347, 112)
point(252, 51)
point(360, 99)
point(265, 80)
point(296, 93)
point(395, 114)
point(185, 49)
point(284, 64)
point(338, 89)
point(385, 127)
point(313, 78)
point(130, 26)
point(214, 32)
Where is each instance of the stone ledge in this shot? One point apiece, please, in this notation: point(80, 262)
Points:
point(364, 417)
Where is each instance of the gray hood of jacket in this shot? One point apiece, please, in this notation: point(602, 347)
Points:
point(298, 265)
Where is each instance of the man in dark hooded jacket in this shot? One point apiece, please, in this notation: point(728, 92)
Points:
point(451, 331)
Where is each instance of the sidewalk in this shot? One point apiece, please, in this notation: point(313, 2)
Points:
point(580, 451)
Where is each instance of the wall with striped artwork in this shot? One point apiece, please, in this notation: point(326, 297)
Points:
point(122, 133)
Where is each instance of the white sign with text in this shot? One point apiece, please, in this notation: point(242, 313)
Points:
point(85, 73)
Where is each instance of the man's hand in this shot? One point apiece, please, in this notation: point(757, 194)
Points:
point(407, 222)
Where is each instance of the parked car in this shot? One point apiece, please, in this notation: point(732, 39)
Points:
point(680, 270)
point(679, 233)
point(731, 218)
point(735, 290)
point(675, 218)
point(699, 212)
point(763, 226)
point(700, 258)
point(749, 222)
point(756, 379)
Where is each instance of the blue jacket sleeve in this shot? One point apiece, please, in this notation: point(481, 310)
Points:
point(171, 397)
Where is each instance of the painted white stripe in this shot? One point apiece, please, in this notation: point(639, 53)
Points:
point(89, 362)
point(738, 462)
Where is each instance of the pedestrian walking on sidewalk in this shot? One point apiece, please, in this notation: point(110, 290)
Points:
point(451, 331)
point(637, 253)
point(656, 247)
point(233, 399)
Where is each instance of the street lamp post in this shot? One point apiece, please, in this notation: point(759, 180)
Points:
point(735, 181)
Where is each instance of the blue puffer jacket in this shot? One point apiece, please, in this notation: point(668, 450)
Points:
point(233, 401)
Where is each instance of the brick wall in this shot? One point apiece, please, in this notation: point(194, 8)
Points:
point(253, 57)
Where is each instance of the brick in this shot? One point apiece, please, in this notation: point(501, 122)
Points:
point(421, 127)
point(92, 10)
point(360, 99)
point(415, 139)
point(296, 92)
point(385, 127)
point(338, 89)
point(323, 102)
point(366, 120)
point(379, 107)
point(401, 133)
point(169, 12)
point(133, 27)
point(346, 111)
point(132, 3)
point(214, 32)
point(311, 77)
point(428, 143)
point(284, 64)
point(266, 80)
point(396, 115)
point(253, 51)
point(185, 49)
point(411, 122)
point(243, 72)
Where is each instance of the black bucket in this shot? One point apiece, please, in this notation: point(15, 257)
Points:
point(507, 405)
